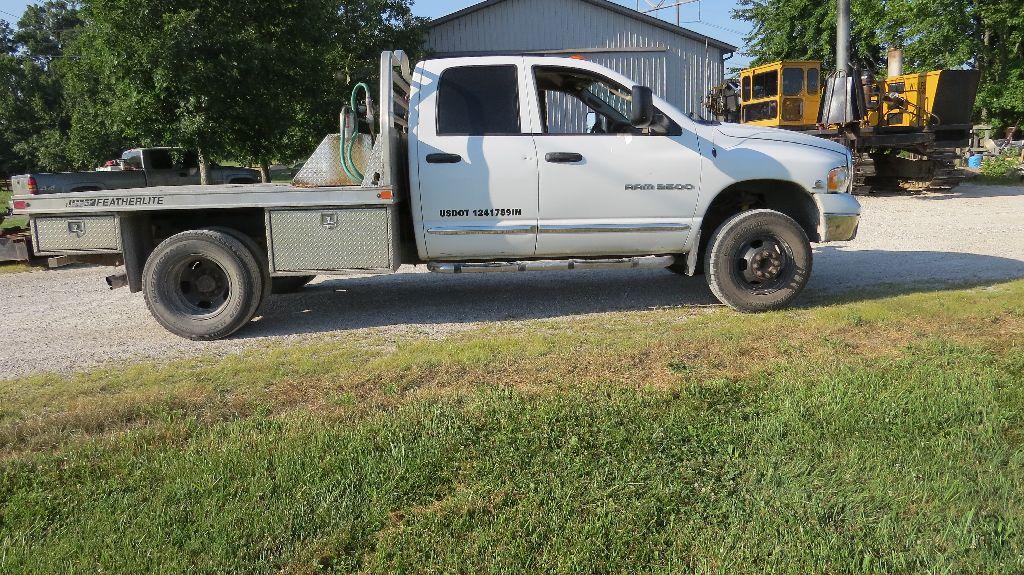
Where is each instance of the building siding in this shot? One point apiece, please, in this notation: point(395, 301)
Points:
point(677, 68)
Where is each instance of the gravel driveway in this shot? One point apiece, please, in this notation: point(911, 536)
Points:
point(64, 320)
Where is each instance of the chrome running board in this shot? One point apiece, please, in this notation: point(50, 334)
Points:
point(645, 263)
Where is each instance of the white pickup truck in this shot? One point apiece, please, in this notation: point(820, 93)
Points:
point(483, 164)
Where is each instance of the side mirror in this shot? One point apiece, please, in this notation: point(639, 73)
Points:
point(642, 113)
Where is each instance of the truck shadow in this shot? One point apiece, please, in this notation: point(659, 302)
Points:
point(419, 299)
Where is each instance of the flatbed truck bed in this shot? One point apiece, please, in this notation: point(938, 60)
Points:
point(266, 196)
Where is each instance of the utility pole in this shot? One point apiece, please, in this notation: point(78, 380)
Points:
point(843, 100)
point(843, 37)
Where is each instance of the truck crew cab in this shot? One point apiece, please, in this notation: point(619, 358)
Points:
point(483, 164)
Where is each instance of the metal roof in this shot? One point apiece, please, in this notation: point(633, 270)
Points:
point(607, 5)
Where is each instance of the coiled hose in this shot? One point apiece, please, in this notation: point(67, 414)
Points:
point(347, 144)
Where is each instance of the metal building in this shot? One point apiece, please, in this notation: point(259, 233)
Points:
point(678, 64)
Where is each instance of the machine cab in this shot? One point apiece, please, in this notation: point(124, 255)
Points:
point(783, 94)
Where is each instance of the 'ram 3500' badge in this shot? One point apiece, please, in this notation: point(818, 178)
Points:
point(638, 187)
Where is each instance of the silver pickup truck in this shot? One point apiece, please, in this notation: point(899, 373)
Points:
point(139, 168)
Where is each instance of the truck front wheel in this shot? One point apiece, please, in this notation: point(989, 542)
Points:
point(202, 284)
point(759, 260)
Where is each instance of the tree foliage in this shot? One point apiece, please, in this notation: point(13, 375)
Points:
point(33, 120)
point(936, 34)
point(806, 30)
point(247, 80)
point(252, 80)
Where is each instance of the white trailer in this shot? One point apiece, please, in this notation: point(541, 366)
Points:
point(466, 176)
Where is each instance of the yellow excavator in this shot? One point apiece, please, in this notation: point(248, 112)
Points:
point(904, 130)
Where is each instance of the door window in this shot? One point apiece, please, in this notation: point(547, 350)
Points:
point(792, 81)
point(579, 102)
point(478, 101)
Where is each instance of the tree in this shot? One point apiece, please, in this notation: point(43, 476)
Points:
point(320, 53)
point(6, 38)
point(33, 118)
point(806, 30)
point(9, 160)
point(244, 79)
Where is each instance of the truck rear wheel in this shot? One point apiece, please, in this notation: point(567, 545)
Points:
point(759, 260)
point(202, 284)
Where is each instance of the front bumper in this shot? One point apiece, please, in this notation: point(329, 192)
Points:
point(840, 217)
point(841, 227)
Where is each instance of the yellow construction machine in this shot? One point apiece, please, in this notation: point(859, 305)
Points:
point(907, 135)
point(904, 130)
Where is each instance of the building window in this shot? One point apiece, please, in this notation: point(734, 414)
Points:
point(478, 100)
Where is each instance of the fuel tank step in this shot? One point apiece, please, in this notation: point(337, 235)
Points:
point(646, 262)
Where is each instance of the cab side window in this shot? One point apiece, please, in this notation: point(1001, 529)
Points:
point(478, 101)
point(578, 102)
point(766, 85)
point(812, 81)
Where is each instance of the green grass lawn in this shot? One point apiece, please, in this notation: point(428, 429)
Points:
point(876, 436)
point(11, 223)
point(17, 222)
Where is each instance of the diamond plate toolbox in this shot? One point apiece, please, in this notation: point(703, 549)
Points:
point(64, 235)
point(332, 239)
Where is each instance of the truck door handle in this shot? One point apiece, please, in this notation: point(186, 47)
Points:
point(563, 158)
point(443, 158)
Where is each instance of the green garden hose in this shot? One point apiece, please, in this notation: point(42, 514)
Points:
point(345, 147)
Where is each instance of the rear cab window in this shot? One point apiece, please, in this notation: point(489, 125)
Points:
point(132, 160)
point(479, 101)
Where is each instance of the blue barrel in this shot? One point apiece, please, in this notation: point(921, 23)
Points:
point(974, 161)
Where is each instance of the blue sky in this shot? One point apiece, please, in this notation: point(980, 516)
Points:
point(714, 18)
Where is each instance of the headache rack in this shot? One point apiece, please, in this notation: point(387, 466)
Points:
point(385, 158)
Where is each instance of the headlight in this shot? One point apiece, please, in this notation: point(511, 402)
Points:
point(838, 180)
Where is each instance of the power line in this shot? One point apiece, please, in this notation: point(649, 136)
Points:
point(656, 6)
point(722, 28)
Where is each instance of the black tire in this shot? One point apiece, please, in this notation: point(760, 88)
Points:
point(290, 284)
point(259, 253)
point(202, 284)
point(758, 261)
